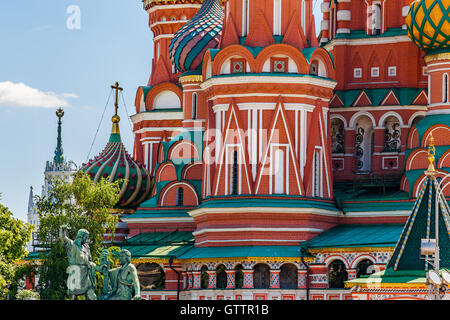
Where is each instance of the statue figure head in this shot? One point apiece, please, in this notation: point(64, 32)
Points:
point(83, 235)
point(125, 257)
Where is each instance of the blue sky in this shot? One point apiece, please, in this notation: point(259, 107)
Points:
point(45, 64)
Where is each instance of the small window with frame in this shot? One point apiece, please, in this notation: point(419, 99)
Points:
point(279, 65)
point(314, 69)
point(238, 66)
point(357, 73)
point(375, 72)
point(392, 71)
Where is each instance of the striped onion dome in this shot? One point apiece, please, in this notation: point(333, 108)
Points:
point(201, 33)
point(114, 163)
point(428, 24)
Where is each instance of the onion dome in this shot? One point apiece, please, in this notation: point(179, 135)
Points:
point(114, 163)
point(428, 24)
point(201, 33)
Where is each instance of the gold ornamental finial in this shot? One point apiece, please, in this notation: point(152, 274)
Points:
point(116, 118)
point(60, 113)
point(431, 154)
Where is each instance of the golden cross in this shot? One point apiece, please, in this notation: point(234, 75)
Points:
point(117, 88)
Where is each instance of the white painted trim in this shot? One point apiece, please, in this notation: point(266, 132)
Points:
point(158, 220)
point(173, 7)
point(269, 229)
point(374, 214)
point(355, 117)
point(249, 240)
point(249, 210)
point(177, 185)
point(365, 42)
point(148, 116)
point(343, 15)
point(267, 95)
point(388, 114)
point(245, 80)
point(380, 108)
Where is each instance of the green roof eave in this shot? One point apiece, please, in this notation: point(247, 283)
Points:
point(157, 213)
point(158, 244)
point(350, 236)
point(242, 252)
point(267, 201)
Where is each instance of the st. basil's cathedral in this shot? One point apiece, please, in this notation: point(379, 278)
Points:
point(272, 164)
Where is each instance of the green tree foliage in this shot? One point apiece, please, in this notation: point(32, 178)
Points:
point(79, 205)
point(14, 235)
point(27, 295)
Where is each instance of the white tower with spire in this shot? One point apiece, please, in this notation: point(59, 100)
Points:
point(58, 168)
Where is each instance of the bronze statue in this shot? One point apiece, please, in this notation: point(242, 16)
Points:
point(120, 283)
point(81, 270)
point(124, 281)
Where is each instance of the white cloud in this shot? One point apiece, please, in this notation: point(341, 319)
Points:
point(20, 95)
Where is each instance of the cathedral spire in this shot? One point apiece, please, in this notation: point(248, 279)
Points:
point(30, 201)
point(58, 159)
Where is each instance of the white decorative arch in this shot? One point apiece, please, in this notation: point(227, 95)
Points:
point(167, 100)
point(340, 117)
point(358, 259)
point(178, 185)
point(390, 114)
point(359, 114)
point(334, 257)
point(415, 115)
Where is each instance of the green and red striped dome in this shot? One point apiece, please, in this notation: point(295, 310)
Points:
point(114, 163)
point(201, 33)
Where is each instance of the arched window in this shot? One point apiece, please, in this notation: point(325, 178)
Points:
point(279, 171)
point(364, 144)
point(303, 15)
point(238, 276)
point(277, 17)
point(180, 196)
point(204, 277)
point(245, 17)
point(151, 276)
point(194, 105)
point(288, 276)
point(445, 88)
point(337, 274)
point(337, 136)
point(376, 19)
point(221, 277)
point(234, 174)
point(317, 173)
point(364, 268)
point(261, 276)
point(392, 136)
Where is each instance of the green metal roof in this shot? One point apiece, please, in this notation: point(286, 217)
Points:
point(420, 225)
point(157, 213)
point(268, 201)
point(343, 236)
point(158, 244)
point(242, 252)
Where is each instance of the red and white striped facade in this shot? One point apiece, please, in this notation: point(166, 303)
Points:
point(250, 140)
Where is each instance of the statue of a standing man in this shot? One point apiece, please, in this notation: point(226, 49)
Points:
point(124, 280)
point(81, 270)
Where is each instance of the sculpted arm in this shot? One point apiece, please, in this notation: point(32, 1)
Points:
point(63, 234)
point(137, 287)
